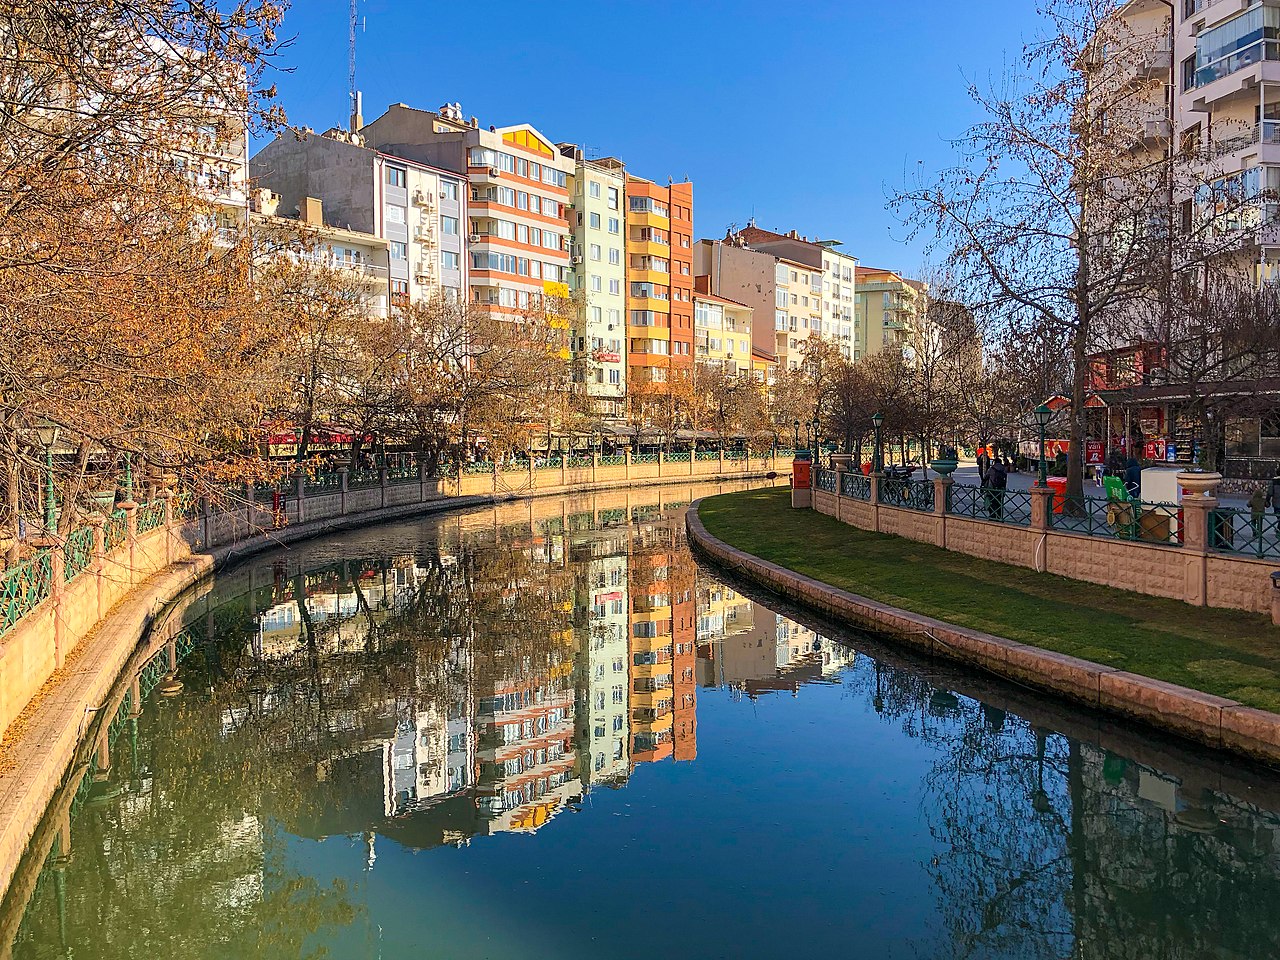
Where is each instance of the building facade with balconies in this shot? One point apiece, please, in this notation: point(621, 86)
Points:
point(659, 263)
point(889, 308)
point(598, 274)
point(721, 334)
point(517, 229)
point(420, 210)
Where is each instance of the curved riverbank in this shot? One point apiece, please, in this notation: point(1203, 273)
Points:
point(37, 746)
point(1213, 721)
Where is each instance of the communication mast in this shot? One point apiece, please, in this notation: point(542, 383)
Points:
point(357, 121)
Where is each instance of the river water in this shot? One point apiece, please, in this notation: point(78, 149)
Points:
point(544, 730)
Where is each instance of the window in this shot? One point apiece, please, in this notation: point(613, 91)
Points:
point(449, 226)
point(399, 250)
point(597, 314)
point(449, 190)
point(614, 225)
point(615, 287)
point(595, 283)
point(594, 220)
point(595, 251)
point(615, 255)
point(593, 188)
point(615, 377)
point(449, 259)
point(1236, 44)
point(395, 214)
point(399, 293)
point(395, 176)
point(522, 200)
point(522, 233)
point(613, 198)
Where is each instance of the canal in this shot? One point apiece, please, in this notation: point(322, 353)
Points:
point(544, 730)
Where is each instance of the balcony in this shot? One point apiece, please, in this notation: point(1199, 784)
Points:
point(1266, 133)
point(1237, 76)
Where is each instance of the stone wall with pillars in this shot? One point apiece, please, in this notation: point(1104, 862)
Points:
point(1188, 571)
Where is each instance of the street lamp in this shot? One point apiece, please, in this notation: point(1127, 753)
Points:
point(1043, 413)
point(816, 426)
point(47, 433)
point(796, 427)
point(877, 461)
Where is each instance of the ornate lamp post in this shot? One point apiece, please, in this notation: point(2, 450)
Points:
point(796, 427)
point(816, 427)
point(1043, 413)
point(877, 461)
point(47, 433)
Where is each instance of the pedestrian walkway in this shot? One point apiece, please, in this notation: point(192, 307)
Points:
point(967, 475)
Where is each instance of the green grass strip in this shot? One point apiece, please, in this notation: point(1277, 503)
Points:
point(1225, 652)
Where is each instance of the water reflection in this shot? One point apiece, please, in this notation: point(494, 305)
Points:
point(455, 684)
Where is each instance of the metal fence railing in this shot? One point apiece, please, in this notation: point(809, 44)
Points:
point(1245, 533)
point(1135, 520)
point(116, 530)
point(911, 494)
point(855, 485)
point(680, 456)
point(78, 552)
point(23, 587)
point(150, 516)
point(987, 503)
point(824, 479)
point(613, 460)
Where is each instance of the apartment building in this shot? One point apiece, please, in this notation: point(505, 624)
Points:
point(819, 300)
point(659, 254)
point(307, 238)
point(420, 210)
point(745, 276)
point(598, 274)
point(603, 670)
point(889, 309)
point(517, 228)
point(721, 333)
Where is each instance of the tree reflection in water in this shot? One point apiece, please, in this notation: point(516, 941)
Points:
point(479, 675)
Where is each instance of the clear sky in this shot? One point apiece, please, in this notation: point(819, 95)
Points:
point(804, 114)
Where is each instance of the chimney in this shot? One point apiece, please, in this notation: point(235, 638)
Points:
point(311, 211)
point(357, 115)
point(265, 202)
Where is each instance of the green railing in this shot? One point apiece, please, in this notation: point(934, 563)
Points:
point(736, 455)
point(1245, 533)
point(362, 478)
point(78, 552)
point(707, 455)
point(824, 479)
point(403, 474)
point(613, 460)
point(1159, 523)
point(910, 494)
point(23, 587)
point(680, 456)
point(645, 458)
point(576, 461)
point(481, 466)
point(116, 530)
point(323, 483)
point(855, 485)
point(989, 503)
point(150, 516)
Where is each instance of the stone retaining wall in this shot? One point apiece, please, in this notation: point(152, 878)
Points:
point(1213, 721)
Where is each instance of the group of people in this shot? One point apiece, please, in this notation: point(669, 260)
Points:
point(1263, 497)
point(993, 477)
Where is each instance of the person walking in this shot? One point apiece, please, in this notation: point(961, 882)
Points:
point(997, 481)
point(1133, 478)
point(1273, 493)
point(1258, 509)
point(984, 464)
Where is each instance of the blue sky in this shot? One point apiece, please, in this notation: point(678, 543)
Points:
point(804, 114)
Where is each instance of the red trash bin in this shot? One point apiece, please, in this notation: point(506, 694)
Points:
point(866, 469)
point(1059, 487)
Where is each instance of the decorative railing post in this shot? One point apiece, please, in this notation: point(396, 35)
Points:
point(422, 481)
point(97, 522)
point(250, 510)
point(1041, 507)
point(1198, 538)
point(941, 488)
point(876, 478)
point(130, 509)
point(344, 476)
point(166, 498)
point(300, 493)
point(383, 479)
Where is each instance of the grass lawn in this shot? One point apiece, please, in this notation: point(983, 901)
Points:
point(1225, 652)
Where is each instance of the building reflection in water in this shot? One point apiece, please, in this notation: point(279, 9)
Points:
point(482, 674)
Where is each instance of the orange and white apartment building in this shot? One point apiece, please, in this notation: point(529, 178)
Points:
point(518, 236)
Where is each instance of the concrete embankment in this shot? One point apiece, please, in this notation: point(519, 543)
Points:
point(1206, 719)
